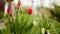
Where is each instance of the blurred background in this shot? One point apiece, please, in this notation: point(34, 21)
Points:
point(29, 16)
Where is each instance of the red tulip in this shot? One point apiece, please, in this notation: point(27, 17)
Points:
point(29, 10)
point(9, 10)
point(19, 3)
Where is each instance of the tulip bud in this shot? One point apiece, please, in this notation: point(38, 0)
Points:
point(48, 31)
point(43, 30)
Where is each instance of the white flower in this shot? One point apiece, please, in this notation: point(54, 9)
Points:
point(48, 32)
point(34, 22)
point(43, 30)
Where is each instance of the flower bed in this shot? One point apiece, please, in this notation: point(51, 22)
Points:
point(25, 23)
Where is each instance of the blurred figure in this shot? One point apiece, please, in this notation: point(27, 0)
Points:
point(6, 6)
point(2, 3)
point(9, 8)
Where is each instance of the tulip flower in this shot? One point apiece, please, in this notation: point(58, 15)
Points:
point(19, 3)
point(9, 10)
point(29, 10)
